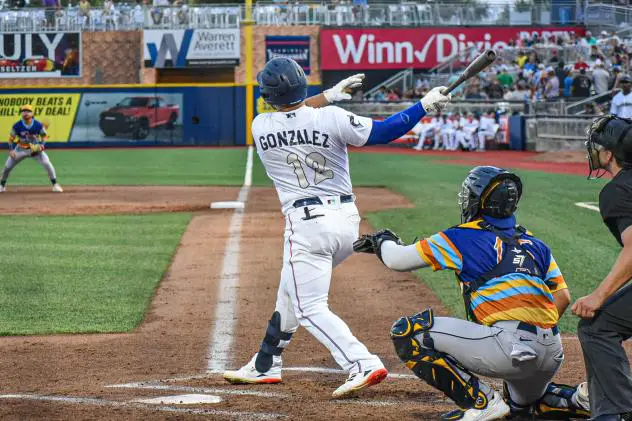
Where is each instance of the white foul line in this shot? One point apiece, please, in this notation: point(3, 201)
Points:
point(220, 345)
point(102, 402)
point(588, 205)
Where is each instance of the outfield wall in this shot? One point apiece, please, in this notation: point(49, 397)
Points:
point(92, 116)
point(89, 116)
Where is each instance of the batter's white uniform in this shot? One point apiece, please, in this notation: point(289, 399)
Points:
point(305, 154)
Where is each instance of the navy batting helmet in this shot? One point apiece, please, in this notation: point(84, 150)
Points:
point(282, 82)
point(613, 134)
point(489, 191)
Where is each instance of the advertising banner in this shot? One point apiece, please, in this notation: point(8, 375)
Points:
point(56, 111)
point(294, 47)
point(182, 48)
point(128, 117)
point(44, 54)
point(419, 48)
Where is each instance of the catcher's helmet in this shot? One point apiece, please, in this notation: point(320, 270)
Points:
point(613, 134)
point(282, 82)
point(489, 191)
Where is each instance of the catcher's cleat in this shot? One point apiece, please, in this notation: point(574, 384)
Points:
point(248, 374)
point(57, 188)
point(581, 396)
point(496, 409)
point(358, 381)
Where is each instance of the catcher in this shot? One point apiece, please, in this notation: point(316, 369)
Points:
point(514, 295)
point(27, 139)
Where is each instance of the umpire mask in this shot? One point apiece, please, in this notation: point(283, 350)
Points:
point(609, 133)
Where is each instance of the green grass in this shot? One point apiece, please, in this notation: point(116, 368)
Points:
point(98, 274)
point(83, 274)
point(138, 166)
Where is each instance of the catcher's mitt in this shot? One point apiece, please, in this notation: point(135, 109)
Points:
point(371, 243)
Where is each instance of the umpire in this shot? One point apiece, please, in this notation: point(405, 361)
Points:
point(607, 312)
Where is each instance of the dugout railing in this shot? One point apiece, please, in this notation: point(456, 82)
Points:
point(546, 133)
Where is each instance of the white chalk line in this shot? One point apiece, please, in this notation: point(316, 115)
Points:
point(588, 205)
point(242, 415)
point(220, 344)
point(191, 389)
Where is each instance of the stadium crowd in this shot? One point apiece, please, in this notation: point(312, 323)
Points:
point(535, 69)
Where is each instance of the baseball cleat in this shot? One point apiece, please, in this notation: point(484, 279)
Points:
point(3, 189)
point(580, 397)
point(248, 374)
point(357, 381)
point(496, 409)
point(57, 188)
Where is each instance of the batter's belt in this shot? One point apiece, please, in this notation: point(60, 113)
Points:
point(311, 201)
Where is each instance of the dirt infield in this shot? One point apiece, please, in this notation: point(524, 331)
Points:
point(71, 376)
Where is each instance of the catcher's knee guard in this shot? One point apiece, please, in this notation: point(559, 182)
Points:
point(437, 369)
point(558, 404)
point(270, 345)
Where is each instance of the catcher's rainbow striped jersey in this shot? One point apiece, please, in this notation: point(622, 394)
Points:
point(470, 251)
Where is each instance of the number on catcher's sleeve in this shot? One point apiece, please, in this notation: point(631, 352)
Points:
point(316, 162)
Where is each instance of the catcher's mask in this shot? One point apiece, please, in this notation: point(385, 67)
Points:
point(489, 191)
point(610, 133)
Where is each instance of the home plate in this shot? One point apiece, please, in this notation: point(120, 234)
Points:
point(193, 399)
point(227, 205)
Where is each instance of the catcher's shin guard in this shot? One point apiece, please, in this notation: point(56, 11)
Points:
point(437, 369)
point(271, 344)
point(558, 404)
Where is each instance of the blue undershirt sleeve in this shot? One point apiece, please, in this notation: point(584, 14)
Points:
point(396, 125)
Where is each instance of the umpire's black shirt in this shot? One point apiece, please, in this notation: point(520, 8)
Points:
point(615, 203)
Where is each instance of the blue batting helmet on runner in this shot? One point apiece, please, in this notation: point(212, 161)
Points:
point(282, 82)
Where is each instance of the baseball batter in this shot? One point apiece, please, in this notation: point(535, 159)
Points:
point(514, 294)
point(27, 139)
point(304, 151)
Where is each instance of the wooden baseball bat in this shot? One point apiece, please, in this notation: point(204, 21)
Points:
point(473, 69)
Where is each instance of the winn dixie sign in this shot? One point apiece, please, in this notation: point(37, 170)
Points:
point(421, 48)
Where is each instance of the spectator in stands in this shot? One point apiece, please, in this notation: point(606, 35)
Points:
point(601, 78)
point(552, 86)
point(504, 78)
point(622, 102)
point(17, 4)
point(616, 72)
point(380, 95)
point(581, 64)
point(581, 85)
point(138, 14)
point(182, 13)
point(51, 7)
point(596, 54)
point(588, 39)
point(84, 12)
point(568, 81)
point(473, 92)
point(392, 95)
point(554, 57)
point(522, 58)
point(494, 90)
point(109, 15)
point(532, 62)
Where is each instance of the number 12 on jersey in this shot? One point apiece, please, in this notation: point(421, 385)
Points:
point(316, 162)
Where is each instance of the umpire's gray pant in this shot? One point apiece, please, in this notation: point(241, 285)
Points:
point(607, 365)
point(526, 361)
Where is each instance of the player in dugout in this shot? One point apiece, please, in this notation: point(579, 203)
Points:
point(514, 295)
point(27, 139)
point(607, 312)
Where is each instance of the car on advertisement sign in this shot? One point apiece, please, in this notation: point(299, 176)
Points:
point(137, 115)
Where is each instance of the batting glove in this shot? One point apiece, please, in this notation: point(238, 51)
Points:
point(337, 93)
point(435, 101)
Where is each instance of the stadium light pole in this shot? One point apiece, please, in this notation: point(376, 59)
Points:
point(248, 22)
